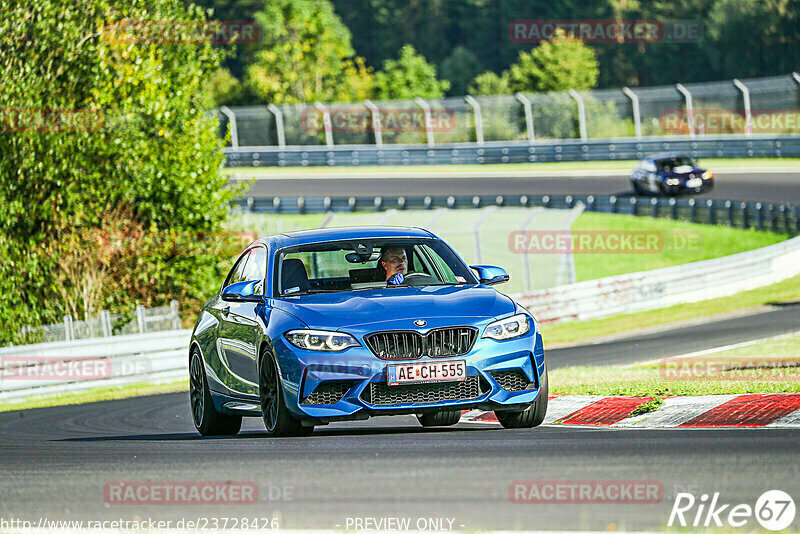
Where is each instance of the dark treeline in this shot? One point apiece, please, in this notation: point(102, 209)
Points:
point(741, 38)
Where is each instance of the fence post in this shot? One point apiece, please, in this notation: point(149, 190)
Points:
point(689, 107)
point(673, 209)
point(692, 210)
point(326, 122)
point(654, 202)
point(745, 216)
point(140, 319)
point(748, 117)
point(581, 113)
point(637, 117)
point(760, 209)
point(105, 320)
point(526, 261)
point(476, 112)
point(526, 104)
point(426, 110)
point(729, 208)
point(69, 332)
point(477, 232)
point(175, 313)
point(377, 129)
point(232, 121)
point(278, 124)
point(712, 219)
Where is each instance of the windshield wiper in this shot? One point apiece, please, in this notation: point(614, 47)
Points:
point(311, 292)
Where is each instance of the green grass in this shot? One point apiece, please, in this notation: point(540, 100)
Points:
point(766, 367)
point(679, 243)
point(580, 331)
point(96, 394)
point(711, 163)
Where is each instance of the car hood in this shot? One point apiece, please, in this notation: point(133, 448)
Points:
point(436, 304)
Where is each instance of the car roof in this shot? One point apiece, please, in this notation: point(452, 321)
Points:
point(321, 235)
point(665, 155)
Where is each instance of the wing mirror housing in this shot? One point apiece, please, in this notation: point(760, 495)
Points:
point(490, 274)
point(242, 291)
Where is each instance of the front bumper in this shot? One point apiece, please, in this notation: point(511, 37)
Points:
point(352, 384)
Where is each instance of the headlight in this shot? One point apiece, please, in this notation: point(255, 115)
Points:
point(673, 181)
point(707, 175)
point(510, 327)
point(321, 340)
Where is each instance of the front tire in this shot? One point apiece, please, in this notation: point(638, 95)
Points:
point(207, 420)
point(531, 416)
point(442, 418)
point(277, 419)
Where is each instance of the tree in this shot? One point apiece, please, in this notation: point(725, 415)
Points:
point(459, 69)
point(489, 83)
point(408, 76)
point(305, 55)
point(99, 114)
point(557, 65)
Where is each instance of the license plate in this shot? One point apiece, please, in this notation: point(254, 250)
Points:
point(694, 182)
point(420, 372)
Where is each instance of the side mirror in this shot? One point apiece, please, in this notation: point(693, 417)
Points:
point(490, 274)
point(242, 291)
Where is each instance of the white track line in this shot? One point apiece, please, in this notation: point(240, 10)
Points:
point(717, 349)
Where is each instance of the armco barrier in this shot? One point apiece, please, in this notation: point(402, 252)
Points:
point(49, 368)
point(681, 284)
point(512, 151)
point(784, 218)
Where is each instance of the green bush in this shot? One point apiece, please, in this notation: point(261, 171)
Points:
point(102, 115)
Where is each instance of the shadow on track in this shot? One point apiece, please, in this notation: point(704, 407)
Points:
point(321, 432)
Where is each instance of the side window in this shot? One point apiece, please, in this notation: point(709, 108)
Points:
point(256, 268)
point(238, 272)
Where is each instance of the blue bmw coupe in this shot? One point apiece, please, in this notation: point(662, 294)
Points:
point(341, 324)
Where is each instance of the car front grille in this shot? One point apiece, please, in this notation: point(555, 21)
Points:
point(514, 380)
point(380, 393)
point(327, 393)
point(410, 345)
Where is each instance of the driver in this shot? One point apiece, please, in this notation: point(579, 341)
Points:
point(394, 263)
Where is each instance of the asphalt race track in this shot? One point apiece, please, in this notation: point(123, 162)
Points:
point(783, 318)
point(57, 461)
point(769, 186)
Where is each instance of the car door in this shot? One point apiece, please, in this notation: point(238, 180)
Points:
point(238, 329)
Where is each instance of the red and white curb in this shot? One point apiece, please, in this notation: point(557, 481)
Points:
point(773, 410)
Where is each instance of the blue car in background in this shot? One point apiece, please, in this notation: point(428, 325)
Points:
point(670, 174)
point(306, 331)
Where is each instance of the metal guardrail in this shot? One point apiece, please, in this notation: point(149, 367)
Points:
point(511, 152)
point(68, 366)
point(782, 218)
point(691, 282)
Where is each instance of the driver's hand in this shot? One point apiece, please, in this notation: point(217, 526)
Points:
point(396, 280)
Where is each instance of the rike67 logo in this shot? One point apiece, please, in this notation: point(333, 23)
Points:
point(773, 510)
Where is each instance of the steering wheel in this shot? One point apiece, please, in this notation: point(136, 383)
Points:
point(414, 278)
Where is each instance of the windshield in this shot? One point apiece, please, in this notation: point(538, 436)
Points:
point(674, 163)
point(367, 264)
